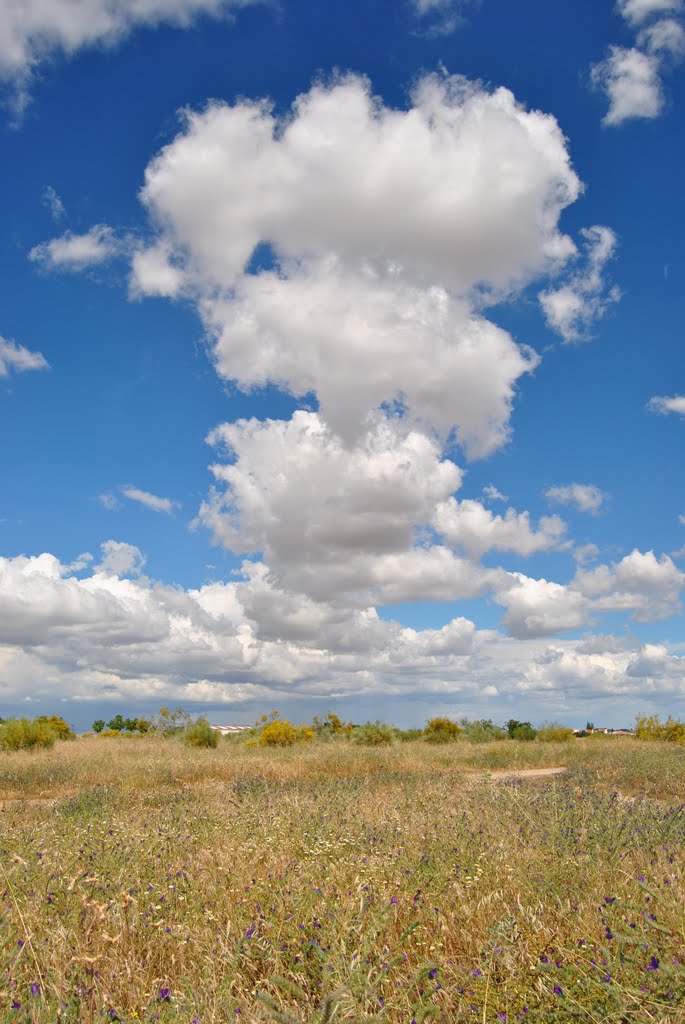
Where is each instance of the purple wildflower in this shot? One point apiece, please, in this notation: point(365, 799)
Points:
point(558, 990)
point(653, 964)
point(164, 994)
point(432, 973)
point(35, 988)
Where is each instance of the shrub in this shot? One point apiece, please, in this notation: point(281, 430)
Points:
point(23, 734)
point(408, 735)
point(110, 734)
point(650, 727)
point(201, 734)
point(482, 730)
point(332, 725)
point(553, 732)
point(441, 730)
point(60, 728)
point(282, 733)
point(373, 734)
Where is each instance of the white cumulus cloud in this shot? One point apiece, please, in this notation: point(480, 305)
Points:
point(386, 230)
point(334, 522)
point(120, 559)
point(469, 525)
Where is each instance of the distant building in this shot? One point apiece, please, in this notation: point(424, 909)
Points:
point(605, 732)
point(228, 729)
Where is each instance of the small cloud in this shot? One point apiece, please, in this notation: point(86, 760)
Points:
point(442, 16)
point(637, 11)
point(79, 563)
point(664, 37)
point(664, 405)
point(571, 309)
point(586, 553)
point(681, 520)
point(16, 358)
point(109, 501)
point(74, 253)
point(120, 559)
point(52, 201)
point(491, 493)
point(631, 80)
point(151, 501)
point(585, 497)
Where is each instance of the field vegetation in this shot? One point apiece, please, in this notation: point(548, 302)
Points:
point(147, 877)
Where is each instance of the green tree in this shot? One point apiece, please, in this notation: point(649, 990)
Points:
point(98, 725)
point(116, 724)
point(520, 730)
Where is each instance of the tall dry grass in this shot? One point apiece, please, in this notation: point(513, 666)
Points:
point(145, 881)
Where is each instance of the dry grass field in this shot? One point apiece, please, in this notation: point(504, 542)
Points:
point(146, 881)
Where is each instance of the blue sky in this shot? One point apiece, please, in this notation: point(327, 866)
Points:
point(341, 359)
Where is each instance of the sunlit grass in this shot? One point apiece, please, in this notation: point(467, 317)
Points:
point(146, 881)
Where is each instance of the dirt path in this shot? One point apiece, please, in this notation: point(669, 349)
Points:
point(525, 773)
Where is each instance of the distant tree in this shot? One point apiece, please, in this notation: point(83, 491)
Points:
point(131, 724)
point(168, 722)
point(144, 725)
point(116, 724)
point(589, 726)
point(98, 725)
point(520, 730)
